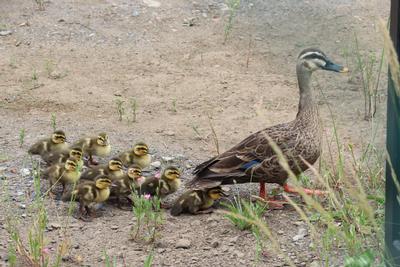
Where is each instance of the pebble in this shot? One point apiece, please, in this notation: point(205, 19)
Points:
point(22, 206)
point(168, 159)
point(280, 232)
point(183, 243)
point(169, 133)
point(114, 227)
point(233, 240)
point(24, 172)
point(161, 250)
point(215, 244)
point(156, 164)
point(5, 33)
point(53, 226)
point(152, 3)
point(23, 215)
point(302, 232)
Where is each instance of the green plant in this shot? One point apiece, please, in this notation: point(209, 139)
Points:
point(53, 121)
point(233, 6)
point(40, 4)
point(120, 108)
point(108, 261)
point(370, 69)
point(21, 137)
point(214, 134)
point(246, 209)
point(134, 106)
point(147, 211)
point(174, 106)
point(149, 260)
point(35, 75)
point(49, 66)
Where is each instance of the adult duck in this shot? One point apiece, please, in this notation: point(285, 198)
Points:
point(254, 159)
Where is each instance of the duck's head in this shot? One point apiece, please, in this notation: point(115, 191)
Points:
point(102, 139)
point(71, 164)
point(115, 164)
point(103, 182)
point(76, 153)
point(171, 173)
point(134, 172)
point(216, 193)
point(58, 137)
point(312, 59)
point(140, 149)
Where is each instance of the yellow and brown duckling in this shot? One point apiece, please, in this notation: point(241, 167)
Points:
point(63, 173)
point(113, 169)
point(168, 183)
point(59, 157)
point(125, 185)
point(197, 201)
point(56, 143)
point(139, 155)
point(91, 192)
point(95, 146)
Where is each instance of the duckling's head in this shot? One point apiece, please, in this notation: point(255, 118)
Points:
point(102, 139)
point(115, 164)
point(103, 182)
point(58, 137)
point(134, 172)
point(171, 173)
point(216, 193)
point(312, 59)
point(140, 149)
point(76, 153)
point(71, 164)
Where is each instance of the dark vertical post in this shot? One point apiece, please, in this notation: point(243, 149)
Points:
point(392, 209)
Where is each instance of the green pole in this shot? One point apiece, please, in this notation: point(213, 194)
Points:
point(392, 207)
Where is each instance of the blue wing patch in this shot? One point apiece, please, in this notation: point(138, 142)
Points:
point(250, 164)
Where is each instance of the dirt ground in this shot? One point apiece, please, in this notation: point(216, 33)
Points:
point(75, 58)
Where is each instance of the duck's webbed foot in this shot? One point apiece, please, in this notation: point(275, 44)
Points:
point(294, 190)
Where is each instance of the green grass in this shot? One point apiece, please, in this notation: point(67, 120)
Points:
point(149, 217)
point(233, 6)
point(120, 108)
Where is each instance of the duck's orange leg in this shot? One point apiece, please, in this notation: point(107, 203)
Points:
point(262, 190)
point(272, 202)
point(290, 189)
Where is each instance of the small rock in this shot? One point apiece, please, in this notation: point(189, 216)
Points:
point(224, 249)
point(168, 159)
point(135, 13)
point(22, 206)
point(152, 3)
point(55, 75)
point(76, 246)
point(298, 223)
point(233, 240)
point(25, 172)
point(23, 215)
point(161, 250)
point(183, 243)
point(280, 232)
point(239, 254)
point(300, 234)
point(114, 227)
point(169, 133)
point(54, 226)
point(5, 33)
point(215, 244)
point(156, 164)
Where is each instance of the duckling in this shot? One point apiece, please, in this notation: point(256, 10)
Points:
point(124, 186)
point(91, 192)
point(197, 201)
point(113, 170)
point(64, 173)
point(59, 157)
point(56, 143)
point(95, 146)
point(167, 184)
point(139, 155)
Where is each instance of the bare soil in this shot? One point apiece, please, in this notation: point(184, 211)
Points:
point(75, 58)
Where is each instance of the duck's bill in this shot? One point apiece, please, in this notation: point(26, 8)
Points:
point(335, 67)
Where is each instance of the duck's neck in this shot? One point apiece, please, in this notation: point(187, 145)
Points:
point(306, 103)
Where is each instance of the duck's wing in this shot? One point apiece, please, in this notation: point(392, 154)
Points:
point(248, 154)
